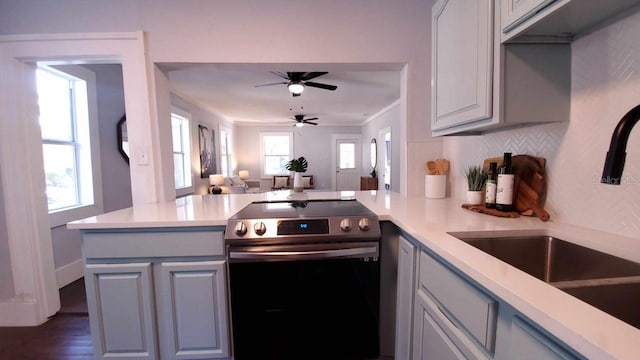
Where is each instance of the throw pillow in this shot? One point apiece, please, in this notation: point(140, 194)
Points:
point(306, 182)
point(228, 182)
point(236, 180)
point(280, 182)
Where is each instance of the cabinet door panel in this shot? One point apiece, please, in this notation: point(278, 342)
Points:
point(121, 310)
point(462, 62)
point(405, 298)
point(194, 327)
point(532, 345)
point(514, 12)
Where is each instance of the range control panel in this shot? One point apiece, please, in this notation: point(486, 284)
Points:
point(286, 230)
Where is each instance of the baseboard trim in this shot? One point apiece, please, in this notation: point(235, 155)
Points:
point(69, 273)
point(20, 314)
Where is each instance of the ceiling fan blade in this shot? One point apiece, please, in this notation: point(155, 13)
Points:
point(315, 118)
point(280, 74)
point(312, 75)
point(321, 86)
point(309, 122)
point(278, 83)
point(295, 76)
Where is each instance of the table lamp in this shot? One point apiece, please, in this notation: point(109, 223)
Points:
point(215, 181)
point(244, 174)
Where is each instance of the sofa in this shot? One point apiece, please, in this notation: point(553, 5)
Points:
point(235, 185)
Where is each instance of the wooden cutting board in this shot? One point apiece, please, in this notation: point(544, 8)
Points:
point(530, 184)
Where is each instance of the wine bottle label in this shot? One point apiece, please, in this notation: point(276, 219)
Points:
point(504, 192)
point(490, 192)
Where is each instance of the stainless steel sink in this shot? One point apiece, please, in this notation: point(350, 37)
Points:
point(607, 282)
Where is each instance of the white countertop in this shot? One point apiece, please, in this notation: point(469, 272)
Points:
point(589, 331)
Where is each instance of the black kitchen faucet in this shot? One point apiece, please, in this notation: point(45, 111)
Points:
point(614, 163)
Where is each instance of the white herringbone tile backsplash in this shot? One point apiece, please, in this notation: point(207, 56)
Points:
point(605, 79)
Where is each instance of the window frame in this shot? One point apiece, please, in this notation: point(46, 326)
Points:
point(229, 151)
point(188, 152)
point(62, 216)
point(263, 135)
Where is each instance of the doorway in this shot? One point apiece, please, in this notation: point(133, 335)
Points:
point(346, 162)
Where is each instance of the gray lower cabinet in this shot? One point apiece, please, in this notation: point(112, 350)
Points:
point(192, 314)
point(120, 302)
point(404, 299)
point(531, 344)
point(441, 314)
point(157, 293)
point(436, 336)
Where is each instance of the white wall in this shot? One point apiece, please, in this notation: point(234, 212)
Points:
point(312, 142)
point(200, 116)
point(605, 85)
point(334, 31)
point(389, 118)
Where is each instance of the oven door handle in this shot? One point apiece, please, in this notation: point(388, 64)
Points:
point(371, 251)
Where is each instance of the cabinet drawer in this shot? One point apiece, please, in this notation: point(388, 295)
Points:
point(531, 344)
point(101, 245)
point(468, 305)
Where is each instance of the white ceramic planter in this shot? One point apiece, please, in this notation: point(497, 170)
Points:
point(298, 186)
point(474, 197)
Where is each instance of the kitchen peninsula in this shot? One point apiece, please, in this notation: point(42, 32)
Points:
point(571, 327)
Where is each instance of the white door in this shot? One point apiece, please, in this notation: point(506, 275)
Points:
point(347, 160)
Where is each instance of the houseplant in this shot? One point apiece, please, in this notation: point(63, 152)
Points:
point(298, 166)
point(475, 179)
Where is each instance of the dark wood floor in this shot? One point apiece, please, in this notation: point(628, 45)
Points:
point(65, 336)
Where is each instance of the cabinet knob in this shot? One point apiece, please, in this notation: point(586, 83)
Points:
point(363, 224)
point(241, 228)
point(345, 225)
point(260, 228)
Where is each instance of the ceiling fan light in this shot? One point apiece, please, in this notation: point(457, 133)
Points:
point(300, 124)
point(296, 88)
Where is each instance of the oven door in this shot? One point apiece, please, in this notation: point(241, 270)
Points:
point(312, 301)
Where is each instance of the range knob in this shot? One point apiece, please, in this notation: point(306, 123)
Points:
point(363, 224)
point(241, 229)
point(260, 228)
point(345, 225)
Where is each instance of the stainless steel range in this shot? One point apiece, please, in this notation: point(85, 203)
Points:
point(304, 280)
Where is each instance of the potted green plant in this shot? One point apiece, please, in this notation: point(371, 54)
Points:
point(298, 166)
point(475, 180)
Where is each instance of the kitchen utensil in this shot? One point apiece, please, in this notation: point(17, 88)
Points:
point(431, 167)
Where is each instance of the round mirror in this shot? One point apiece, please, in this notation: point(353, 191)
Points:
point(374, 153)
point(123, 139)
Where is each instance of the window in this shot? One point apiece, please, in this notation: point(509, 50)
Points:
point(347, 155)
point(226, 163)
point(71, 162)
point(181, 139)
point(276, 149)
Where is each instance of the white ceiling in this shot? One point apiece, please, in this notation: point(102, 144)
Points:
point(229, 90)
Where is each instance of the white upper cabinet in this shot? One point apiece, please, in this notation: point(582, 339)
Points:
point(514, 12)
point(556, 20)
point(479, 84)
point(462, 60)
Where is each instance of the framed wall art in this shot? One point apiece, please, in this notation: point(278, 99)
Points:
point(207, 140)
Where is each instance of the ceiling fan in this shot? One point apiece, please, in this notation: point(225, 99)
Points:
point(300, 120)
point(296, 81)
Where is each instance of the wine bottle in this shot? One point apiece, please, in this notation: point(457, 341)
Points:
point(490, 186)
point(504, 189)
